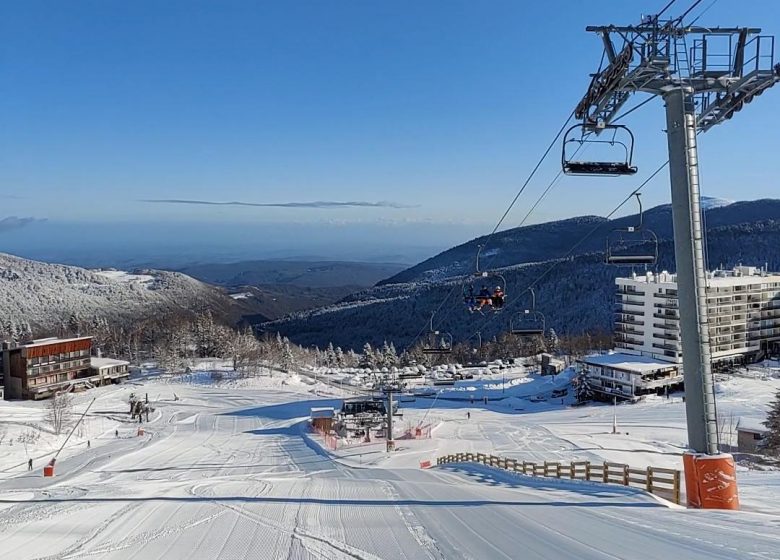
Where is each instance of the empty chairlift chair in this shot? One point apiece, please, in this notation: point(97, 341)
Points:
point(632, 245)
point(436, 342)
point(528, 322)
point(615, 150)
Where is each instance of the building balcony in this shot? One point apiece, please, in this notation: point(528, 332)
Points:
point(668, 346)
point(629, 312)
point(667, 336)
point(665, 295)
point(629, 301)
point(667, 325)
point(623, 320)
point(668, 304)
point(628, 339)
point(667, 315)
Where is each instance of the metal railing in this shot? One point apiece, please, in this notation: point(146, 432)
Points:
point(661, 482)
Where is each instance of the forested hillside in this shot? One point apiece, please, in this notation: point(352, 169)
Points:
point(575, 294)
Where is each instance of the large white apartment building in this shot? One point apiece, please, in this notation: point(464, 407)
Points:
point(744, 315)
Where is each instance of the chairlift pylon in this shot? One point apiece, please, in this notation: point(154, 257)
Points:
point(632, 245)
point(611, 168)
point(487, 298)
point(528, 322)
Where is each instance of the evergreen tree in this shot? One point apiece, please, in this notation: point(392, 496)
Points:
point(368, 360)
point(771, 443)
point(338, 357)
point(288, 360)
point(330, 356)
point(389, 355)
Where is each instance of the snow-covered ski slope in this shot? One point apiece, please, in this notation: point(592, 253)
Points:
point(227, 471)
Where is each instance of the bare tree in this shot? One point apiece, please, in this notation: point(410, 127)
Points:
point(58, 411)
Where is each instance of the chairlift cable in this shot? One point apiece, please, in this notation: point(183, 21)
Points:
point(669, 5)
point(704, 11)
point(622, 115)
point(689, 10)
point(528, 179)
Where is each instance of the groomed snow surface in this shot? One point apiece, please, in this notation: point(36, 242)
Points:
point(226, 469)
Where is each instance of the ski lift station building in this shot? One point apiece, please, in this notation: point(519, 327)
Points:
point(743, 309)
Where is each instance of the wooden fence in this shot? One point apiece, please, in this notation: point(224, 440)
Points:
point(658, 481)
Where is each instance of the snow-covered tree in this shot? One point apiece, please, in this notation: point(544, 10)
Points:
point(338, 357)
point(552, 341)
point(771, 443)
point(368, 359)
point(288, 359)
point(352, 359)
point(244, 349)
point(330, 356)
point(389, 355)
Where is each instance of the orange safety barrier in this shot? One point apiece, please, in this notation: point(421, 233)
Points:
point(48, 470)
point(425, 464)
point(711, 481)
point(691, 483)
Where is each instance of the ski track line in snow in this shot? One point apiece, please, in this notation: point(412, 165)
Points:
point(417, 529)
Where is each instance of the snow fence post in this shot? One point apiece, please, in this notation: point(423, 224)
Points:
point(587, 471)
point(571, 471)
point(625, 475)
point(605, 476)
point(649, 483)
point(676, 487)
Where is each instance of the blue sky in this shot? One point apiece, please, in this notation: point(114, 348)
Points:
point(441, 106)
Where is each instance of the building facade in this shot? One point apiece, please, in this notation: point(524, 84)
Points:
point(627, 377)
point(743, 307)
point(108, 370)
point(40, 368)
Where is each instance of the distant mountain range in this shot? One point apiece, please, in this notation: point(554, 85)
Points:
point(274, 288)
point(575, 292)
point(309, 274)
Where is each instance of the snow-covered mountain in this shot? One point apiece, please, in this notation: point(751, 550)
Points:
point(710, 202)
point(44, 295)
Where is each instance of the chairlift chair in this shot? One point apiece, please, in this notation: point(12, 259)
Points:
point(528, 322)
point(436, 342)
point(611, 168)
point(491, 301)
point(633, 245)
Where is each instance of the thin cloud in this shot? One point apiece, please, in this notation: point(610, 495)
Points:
point(313, 204)
point(14, 222)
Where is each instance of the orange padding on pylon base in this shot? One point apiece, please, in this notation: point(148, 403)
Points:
point(711, 481)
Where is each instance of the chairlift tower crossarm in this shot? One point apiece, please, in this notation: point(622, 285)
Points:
point(701, 88)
